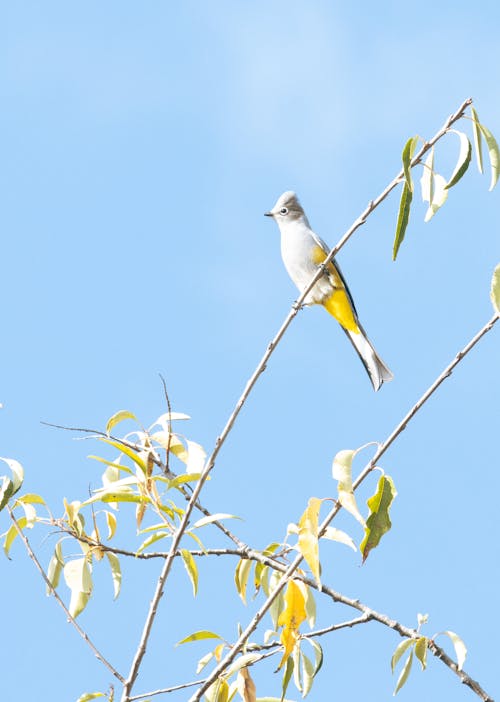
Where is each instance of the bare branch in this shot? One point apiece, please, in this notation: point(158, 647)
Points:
point(52, 590)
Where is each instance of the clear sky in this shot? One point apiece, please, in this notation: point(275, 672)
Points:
point(141, 145)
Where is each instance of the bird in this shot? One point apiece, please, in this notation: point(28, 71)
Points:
point(303, 252)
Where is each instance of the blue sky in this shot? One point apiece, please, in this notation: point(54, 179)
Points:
point(142, 143)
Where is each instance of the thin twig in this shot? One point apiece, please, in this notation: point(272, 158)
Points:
point(165, 690)
point(231, 655)
point(71, 619)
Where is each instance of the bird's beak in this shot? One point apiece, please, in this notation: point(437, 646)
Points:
point(268, 214)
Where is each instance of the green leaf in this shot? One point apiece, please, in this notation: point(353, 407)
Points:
point(476, 132)
point(12, 533)
point(199, 636)
point(242, 662)
point(79, 580)
point(87, 696)
point(493, 153)
point(458, 645)
point(133, 455)
point(191, 568)
point(342, 472)
point(318, 655)
point(183, 478)
point(433, 187)
point(464, 158)
point(6, 491)
point(55, 567)
point(421, 651)
point(378, 522)
point(404, 673)
point(400, 649)
point(308, 674)
point(213, 518)
point(241, 578)
point(495, 289)
point(17, 473)
point(403, 219)
point(152, 539)
point(31, 499)
point(340, 536)
point(287, 674)
point(118, 417)
point(407, 155)
point(116, 572)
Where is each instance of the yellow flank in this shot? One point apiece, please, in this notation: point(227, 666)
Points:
point(338, 304)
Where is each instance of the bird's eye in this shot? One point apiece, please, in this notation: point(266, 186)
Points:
point(284, 211)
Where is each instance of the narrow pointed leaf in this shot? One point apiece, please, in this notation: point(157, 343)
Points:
point(342, 472)
point(340, 536)
point(110, 523)
point(241, 662)
point(11, 535)
point(55, 568)
point(308, 673)
point(463, 161)
point(407, 155)
point(421, 651)
point(291, 618)
point(493, 153)
point(427, 179)
point(400, 649)
point(241, 578)
point(17, 473)
point(476, 132)
point(459, 646)
point(191, 569)
point(157, 536)
point(87, 696)
point(378, 522)
point(495, 289)
point(6, 491)
point(213, 518)
point(246, 686)
point(308, 537)
point(287, 675)
point(133, 455)
point(204, 661)
point(199, 636)
point(404, 673)
point(118, 417)
point(403, 219)
point(439, 198)
point(116, 572)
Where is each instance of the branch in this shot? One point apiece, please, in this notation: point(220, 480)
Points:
point(71, 619)
point(290, 570)
point(244, 396)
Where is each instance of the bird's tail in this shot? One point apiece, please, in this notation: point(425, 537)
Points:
point(377, 370)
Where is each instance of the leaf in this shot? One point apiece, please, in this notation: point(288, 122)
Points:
point(203, 662)
point(308, 674)
point(79, 580)
point(421, 651)
point(340, 536)
point(191, 568)
point(433, 187)
point(242, 662)
point(310, 603)
point(196, 457)
point(183, 478)
point(378, 522)
point(118, 417)
point(458, 645)
point(31, 499)
point(286, 677)
point(291, 618)
point(213, 518)
point(199, 636)
point(218, 691)
point(17, 473)
point(422, 619)
point(495, 289)
point(12, 533)
point(400, 649)
point(241, 578)
point(318, 655)
point(152, 539)
point(6, 491)
point(246, 686)
point(308, 537)
point(55, 568)
point(116, 572)
point(342, 471)
point(133, 455)
point(278, 603)
point(404, 673)
point(407, 155)
point(476, 132)
point(403, 219)
point(110, 523)
point(493, 153)
point(87, 696)
point(464, 158)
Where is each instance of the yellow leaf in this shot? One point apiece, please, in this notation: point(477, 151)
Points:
point(218, 650)
point(308, 537)
point(291, 618)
